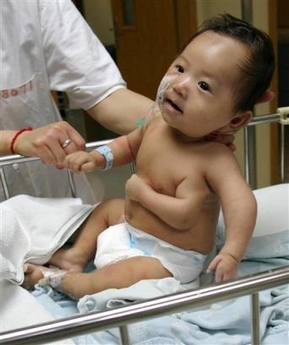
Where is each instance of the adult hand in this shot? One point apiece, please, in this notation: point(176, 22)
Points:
point(228, 139)
point(50, 143)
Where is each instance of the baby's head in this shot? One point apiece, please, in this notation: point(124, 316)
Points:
point(222, 72)
point(257, 69)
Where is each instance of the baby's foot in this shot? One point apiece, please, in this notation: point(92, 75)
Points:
point(32, 274)
point(36, 274)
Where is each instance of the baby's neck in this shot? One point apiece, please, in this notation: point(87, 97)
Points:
point(180, 136)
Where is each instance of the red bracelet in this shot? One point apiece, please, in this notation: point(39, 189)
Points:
point(16, 135)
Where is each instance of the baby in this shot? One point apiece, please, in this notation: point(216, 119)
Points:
point(172, 203)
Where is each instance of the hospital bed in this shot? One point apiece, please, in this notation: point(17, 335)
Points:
point(250, 310)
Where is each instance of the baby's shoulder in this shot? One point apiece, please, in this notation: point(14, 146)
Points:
point(213, 152)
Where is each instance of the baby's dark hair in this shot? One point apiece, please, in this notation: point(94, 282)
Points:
point(257, 69)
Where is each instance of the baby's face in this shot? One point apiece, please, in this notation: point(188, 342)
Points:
point(196, 95)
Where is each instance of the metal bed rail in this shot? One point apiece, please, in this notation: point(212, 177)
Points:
point(282, 117)
point(123, 316)
point(18, 159)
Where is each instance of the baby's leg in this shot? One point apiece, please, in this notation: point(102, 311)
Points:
point(118, 275)
point(83, 249)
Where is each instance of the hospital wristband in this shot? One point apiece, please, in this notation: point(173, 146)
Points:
point(16, 135)
point(107, 154)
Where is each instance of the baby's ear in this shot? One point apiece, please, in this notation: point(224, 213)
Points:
point(266, 97)
point(241, 120)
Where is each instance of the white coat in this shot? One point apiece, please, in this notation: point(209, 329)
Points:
point(47, 45)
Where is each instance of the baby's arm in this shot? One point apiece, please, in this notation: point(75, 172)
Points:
point(179, 211)
point(240, 211)
point(123, 148)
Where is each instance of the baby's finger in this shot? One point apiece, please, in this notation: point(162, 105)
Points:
point(87, 167)
point(213, 264)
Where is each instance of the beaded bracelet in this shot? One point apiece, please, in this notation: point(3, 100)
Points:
point(16, 135)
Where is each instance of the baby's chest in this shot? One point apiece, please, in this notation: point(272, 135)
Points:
point(166, 167)
point(161, 151)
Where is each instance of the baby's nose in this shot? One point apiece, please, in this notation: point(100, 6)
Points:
point(181, 86)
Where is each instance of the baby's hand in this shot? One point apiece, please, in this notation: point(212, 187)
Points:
point(81, 161)
point(133, 187)
point(225, 267)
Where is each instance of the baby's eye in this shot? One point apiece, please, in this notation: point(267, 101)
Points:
point(204, 86)
point(180, 69)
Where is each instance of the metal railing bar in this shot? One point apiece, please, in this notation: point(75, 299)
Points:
point(17, 159)
point(250, 147)
point(266, 118)
point(12, 159)
point(97, 321)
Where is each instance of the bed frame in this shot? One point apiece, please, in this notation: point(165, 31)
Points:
point(123, 316)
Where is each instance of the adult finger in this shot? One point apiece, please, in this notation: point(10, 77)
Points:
point(62, 139)
point(50, 143)
point(75, 137)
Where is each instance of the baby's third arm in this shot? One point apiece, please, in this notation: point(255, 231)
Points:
point(179, 211)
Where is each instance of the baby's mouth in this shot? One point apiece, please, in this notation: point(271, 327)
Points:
point(173, 105)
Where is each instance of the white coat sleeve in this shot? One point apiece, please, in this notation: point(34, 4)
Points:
point(77, 62)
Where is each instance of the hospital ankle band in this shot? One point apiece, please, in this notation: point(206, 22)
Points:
point(52, 278)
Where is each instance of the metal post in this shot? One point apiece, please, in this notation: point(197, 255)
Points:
point(255, 319)
point(250, 156)
point(71, 184)
point(124, 336)
point(282, 153)
point(247, 10)
point(4, 183)
point(249, 132)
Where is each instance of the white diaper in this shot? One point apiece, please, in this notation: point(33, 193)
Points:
point(113, 245)
point(122, 241)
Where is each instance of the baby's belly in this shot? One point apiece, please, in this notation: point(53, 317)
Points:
point(200, 238)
